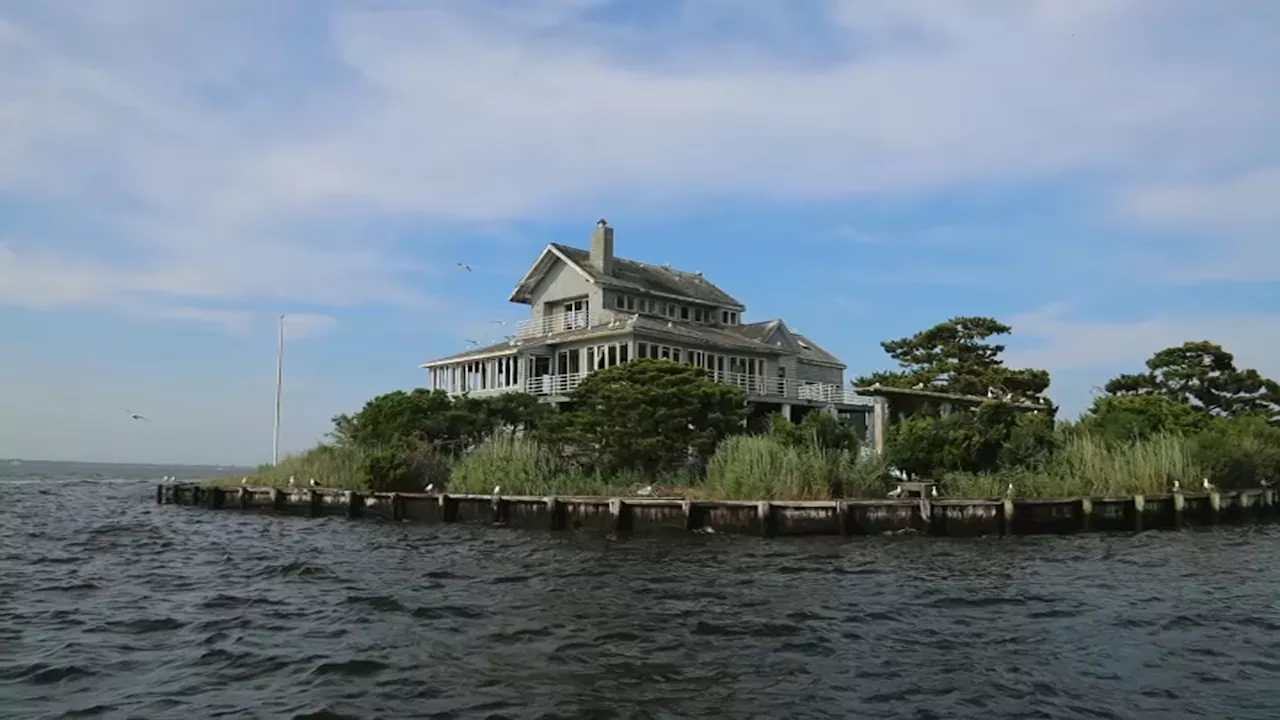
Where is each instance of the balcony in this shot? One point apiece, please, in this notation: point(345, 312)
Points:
point(557, 323)
point(758, 388)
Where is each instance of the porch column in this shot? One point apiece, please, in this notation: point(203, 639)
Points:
point(879, 423)
point(786, 411)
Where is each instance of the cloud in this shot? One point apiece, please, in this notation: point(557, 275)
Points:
point(300, 326)
point(212, 155)
point(1068, 344)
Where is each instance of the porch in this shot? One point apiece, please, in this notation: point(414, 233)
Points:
point(502, 375)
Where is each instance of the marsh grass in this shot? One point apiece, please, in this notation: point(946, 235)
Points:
point(1085, 465)
point(335, 466)
point(761, 467)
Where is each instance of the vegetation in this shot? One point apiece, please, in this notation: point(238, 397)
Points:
point(662, 428)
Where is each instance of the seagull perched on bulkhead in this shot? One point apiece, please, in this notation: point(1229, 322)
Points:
point(645, 491)
point(1008, 492)
point(312, 482)
point(896, 492)
point(429, 487)
point(244, 481)
point(1208, 486)
point(933, 491)
point(1177, 486)
point(291, 481)
point(497, 489)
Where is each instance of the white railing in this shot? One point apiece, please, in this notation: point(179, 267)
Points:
point(557, 323)
point(756, 386)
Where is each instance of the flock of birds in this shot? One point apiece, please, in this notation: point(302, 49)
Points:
point(1008, 492)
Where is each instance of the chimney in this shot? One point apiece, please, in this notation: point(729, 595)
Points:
point(602, 248)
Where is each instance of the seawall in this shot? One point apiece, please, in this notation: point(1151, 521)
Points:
point(941, 517)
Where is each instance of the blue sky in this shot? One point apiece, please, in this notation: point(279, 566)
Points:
point(1101, 174)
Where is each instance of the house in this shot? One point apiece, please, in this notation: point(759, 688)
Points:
point(590, 309)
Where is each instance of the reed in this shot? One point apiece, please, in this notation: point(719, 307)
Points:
point(1085, 465)
point(335, 466)
point(522, 466)
point(761, 467)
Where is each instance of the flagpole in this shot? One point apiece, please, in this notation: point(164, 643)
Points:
point(275, 435)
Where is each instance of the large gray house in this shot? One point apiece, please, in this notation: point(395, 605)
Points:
point(593, 310)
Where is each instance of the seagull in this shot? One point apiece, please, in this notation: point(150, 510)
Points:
point(918, 386)
point(244, 481)
point(429, 487)
point(464, 266)
point(135, 415)
point(1208, 486)
point(496, 489)
point(290, 481)
point(313, 483)
point(896, 492)
point(645, 491)
point(1177, 486)
point(1008, 492)
point(473, 343)
point(933, 491)
point(1266, 483)
point(991, 393)
point(498, 322)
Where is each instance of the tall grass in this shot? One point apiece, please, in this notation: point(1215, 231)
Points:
point(522, 466)
point(1085, 465)
point(336, 466)
point(761, 467)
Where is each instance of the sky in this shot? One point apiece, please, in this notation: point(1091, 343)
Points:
point(1100, 174)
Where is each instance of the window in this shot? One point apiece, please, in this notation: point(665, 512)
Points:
point(620, 302)
point(623, 350)
point(666, 353)
point(675, 354)
point(684, 312)
point(697, 314)
point(724, 316)
point(669, 309)
point(642, 350)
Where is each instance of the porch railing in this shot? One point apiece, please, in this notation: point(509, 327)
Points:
point(557, 323)
point(756, 387)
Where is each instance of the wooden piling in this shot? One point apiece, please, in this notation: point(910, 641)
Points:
point(689, 510)
point(1215, 507)
point(314, 500)
point(160, 494)
point(842, 517)
point(244, 498)
point(448, 508)
point(766, 518)
point(620, 515)
point(1139, 508)
point(1006, 517)
point(397, 506)
point(277, 499)
point(355, 504)
point(1086, 514)
point(555, 513)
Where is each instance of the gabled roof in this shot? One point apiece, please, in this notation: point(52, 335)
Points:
point(775, 332)
point(813, 352)
point(628, 275)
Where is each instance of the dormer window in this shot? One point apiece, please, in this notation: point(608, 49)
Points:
point(684, 312)
point(697, 315)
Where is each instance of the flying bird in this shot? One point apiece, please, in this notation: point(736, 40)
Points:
point(464, 266)
point(135, 415)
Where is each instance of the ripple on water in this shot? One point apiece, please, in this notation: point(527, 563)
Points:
point(116, 608)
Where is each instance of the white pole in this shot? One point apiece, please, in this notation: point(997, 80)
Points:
point(275, 437)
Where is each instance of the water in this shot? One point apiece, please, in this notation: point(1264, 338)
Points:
point(113, 607)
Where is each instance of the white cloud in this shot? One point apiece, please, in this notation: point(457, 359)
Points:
point(218, 161)
point(300, 326)
point(1063, 343)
